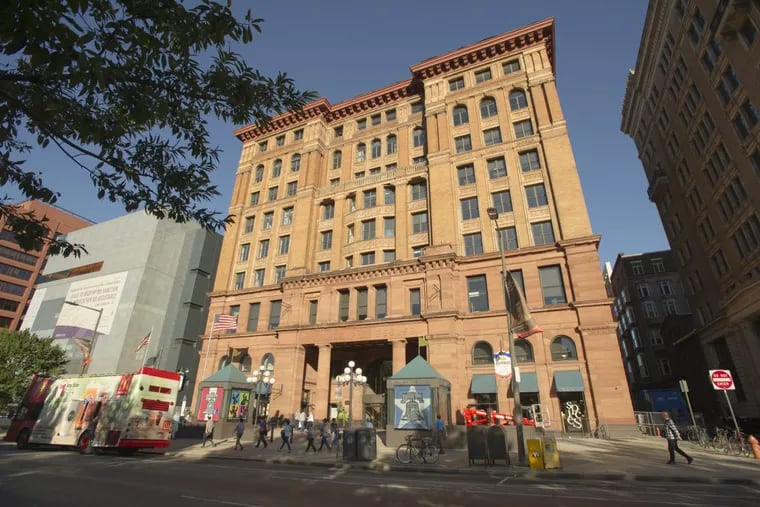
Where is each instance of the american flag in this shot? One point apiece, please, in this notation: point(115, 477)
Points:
point(224, 322)
point(143, 342)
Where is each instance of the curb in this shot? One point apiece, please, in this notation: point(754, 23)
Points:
point(506, 473)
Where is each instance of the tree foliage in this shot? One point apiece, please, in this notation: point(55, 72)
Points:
point(22, 354)
point(124, 89)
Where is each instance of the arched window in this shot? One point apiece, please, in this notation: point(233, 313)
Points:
point(524, 352)
point(277, 168)
point(295, 163)
point(482, 353)
point(361, 152)
point(517, 100)
point(259, 173)
point(488, 107)
point(418, 137)
point(224, 361)
point(245, 363)
point(337, 159)
point(563, 349)
point(377, 148)
point(391, 146)
point(460, 115)
point(267, 360)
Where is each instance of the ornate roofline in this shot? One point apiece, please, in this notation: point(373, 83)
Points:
point(535, 33)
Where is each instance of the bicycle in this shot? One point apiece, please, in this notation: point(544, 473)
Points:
point(720, 441)
point(738, 445)
point(698, 434)
point(427, 452)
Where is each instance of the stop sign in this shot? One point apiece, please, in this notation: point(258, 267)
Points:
point(722, 380)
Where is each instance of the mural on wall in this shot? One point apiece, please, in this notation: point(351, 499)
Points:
point(210, 403)
point(412, 407)
point(239, 402)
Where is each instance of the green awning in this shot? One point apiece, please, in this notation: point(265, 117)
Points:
point(568, 381)
point(483, 384)
point(528, 382)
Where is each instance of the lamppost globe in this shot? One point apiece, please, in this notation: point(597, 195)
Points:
point(358, 371)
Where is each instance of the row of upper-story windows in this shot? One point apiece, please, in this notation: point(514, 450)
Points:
point(295, 166)
point(484, 74)
point(542, 232)
point(562, 348)
point(279, 141)
point(368, 258)
point(460, 115)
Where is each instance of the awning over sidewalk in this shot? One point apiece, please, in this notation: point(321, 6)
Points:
point(568, 381)
point(483, 384)
point(528, 382)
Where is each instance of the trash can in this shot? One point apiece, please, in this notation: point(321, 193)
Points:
point(536, 453)
point(366, 444)
point(349, 445)
point(550, 453)
point(496, 440)
point(477, 447)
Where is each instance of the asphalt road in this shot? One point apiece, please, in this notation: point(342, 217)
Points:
point(63, 478)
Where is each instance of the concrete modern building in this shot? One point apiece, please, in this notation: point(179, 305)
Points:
point(20, 269)
point(647, 289)
point(362, 234)
point(141, 291)
point(691, 108)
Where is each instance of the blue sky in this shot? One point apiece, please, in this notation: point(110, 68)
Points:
point(342, 49)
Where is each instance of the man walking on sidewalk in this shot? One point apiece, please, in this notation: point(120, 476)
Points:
point(239, 429)
point(262, 432)
point(670, 432)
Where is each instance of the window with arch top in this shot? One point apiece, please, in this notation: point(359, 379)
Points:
point(224, 361)
point(517, 100)
point(482, 353)
point(523, 351)
point(488, 107)
point(460, 116)
point(267, 360)
point(245, 363)
point(563, 349)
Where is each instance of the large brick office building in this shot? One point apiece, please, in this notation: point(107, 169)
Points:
point(362, 234)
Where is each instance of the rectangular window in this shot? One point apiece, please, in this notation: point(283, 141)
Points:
point(473, 244)
point(552, 287)
point(239, 280)
point(671, 308)
point(466, 174)
point(249, 225)
point(657, 265)
point(502, 201)
point(272, 196)
point(492, 136)
point(390, 115)
point(470, 209)
point(650, 309)
point(481, 76)
point(361, 303)
point(419, 190)
point(463, 144)
point(325, 240)
point(277, 168)
point(274, 314)
point(328, 211)
point(418, 251)
point(263, 249)
point(245, 250)
point(279, 273)
point(417, 107)
point(368, 229)
point(258, 277)
point(350, 234)
point(298, 135)
point(313, 311)
point(370, 198)
point(337, 159)
point(543, 234)
point(497, 168)
point(643, 290)
point(253, 317)
point(719, 263)
point(389, 255)
point(508, 238)
point(254, 198)
point(284, 246)
point(280, 140)
point(536, 195)
point(268, 220)
point(323, 266)
point(529, 161)
point(415, 302)
point(477, 293)
point(375, 119)
point(262, 147)
point(292, 188)
point(517, 276)
point(367, 258)
point(665, 288)
point(456, 84)
point(338, 131)
point(361, 124)
point(381, 301)
point(748, 31)
point(389, 227)
point(523, 128)
point(343, 299)
point(419, 222)
point(389, 195)
point(287, 216)
point(511, 66)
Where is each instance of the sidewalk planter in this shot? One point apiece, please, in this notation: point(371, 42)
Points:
point(366, 444)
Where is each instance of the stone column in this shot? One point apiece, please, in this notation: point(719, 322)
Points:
point(321, 394)
point(399, 354)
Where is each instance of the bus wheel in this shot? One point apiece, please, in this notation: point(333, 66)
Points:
point(22, 440)
point(85, 443)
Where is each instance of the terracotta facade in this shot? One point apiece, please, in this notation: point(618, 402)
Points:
point(376, 245)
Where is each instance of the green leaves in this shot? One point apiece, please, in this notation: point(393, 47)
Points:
point(22, 355)
point(123, 88)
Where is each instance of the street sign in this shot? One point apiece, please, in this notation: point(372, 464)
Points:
point(684, 386)
point(722, 380)
point(502, 364)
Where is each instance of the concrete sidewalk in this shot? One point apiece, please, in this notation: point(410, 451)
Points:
point(641, 459)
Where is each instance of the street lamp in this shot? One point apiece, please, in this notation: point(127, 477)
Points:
point(351, 377)
point(262, 379)
point(87, 359)
point(518, 418)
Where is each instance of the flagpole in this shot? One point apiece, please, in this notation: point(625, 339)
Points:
point(208, 349)
point(147, 347)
